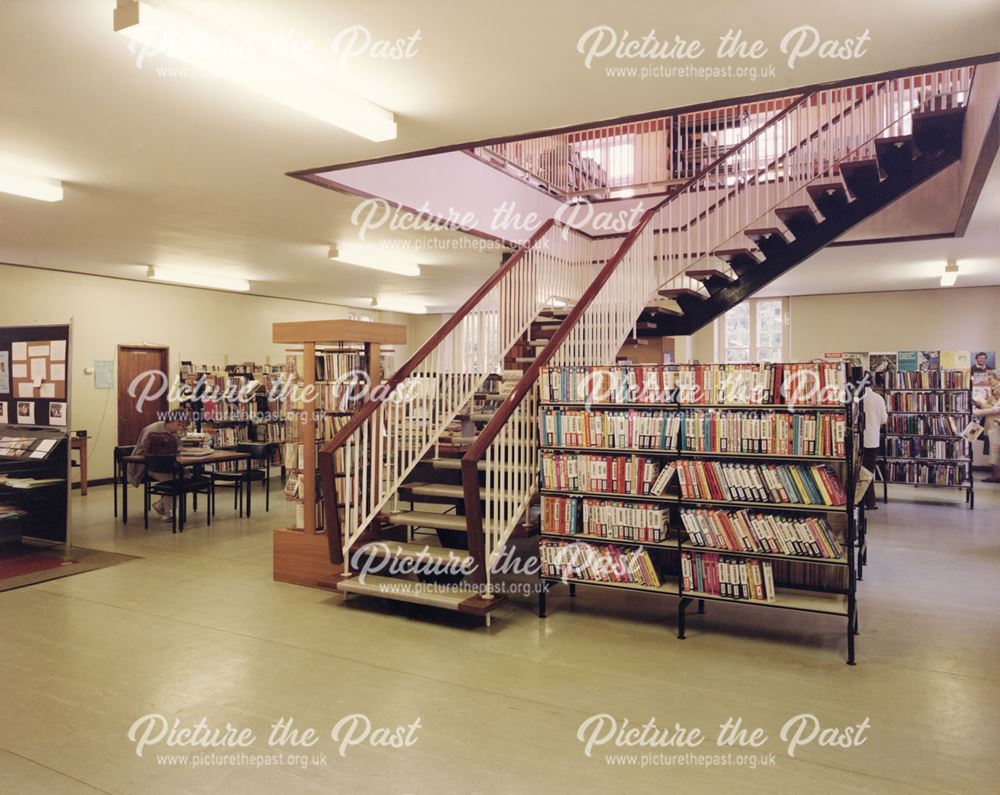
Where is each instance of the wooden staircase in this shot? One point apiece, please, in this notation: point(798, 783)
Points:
point(428, 527)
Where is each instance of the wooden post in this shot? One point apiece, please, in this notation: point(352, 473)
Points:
point(373, 352)
point(309, 439)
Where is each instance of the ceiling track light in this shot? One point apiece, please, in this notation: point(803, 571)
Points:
point(197, 279)
point(31, 187)
point(374, 258)
point(157, 27)
point(950, 275)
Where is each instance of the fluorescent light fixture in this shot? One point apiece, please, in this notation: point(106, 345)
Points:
point(399, 305)
point(950, 275)
point(160, 28)
point(197, 279)
point(41, 188)
point(375, 258)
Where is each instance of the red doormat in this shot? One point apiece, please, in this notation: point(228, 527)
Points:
point(30, 564)
point(23, 561)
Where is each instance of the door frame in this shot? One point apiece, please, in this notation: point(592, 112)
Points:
point(145, 346)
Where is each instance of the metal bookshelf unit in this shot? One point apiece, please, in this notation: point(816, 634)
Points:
point(918, 419)
point(803, 583)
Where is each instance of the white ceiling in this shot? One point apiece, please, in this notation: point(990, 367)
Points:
point(180, 171)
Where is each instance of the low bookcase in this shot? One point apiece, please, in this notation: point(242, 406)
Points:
point(928, 410)
point(745, 503)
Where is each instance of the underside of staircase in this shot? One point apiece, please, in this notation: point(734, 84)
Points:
point(863, 187)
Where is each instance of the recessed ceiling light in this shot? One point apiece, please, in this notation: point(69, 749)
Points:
point(950, 275)
point(399, 305)
point(197, 279)
point(41, 188)
point(375, 258)
point(159, 27)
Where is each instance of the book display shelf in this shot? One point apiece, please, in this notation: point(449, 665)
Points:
point(705, 483)
point(251, 408)
point(332, 365)
point(35, 474)
point(928, 410)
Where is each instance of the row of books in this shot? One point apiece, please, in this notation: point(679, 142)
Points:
point(814, 383)
point(274, 431)
point(756, 531)
point(597, 562)
point(916, 425)
point(935, 474)
point(927, 379)
point(736, 578)
point(928, 401)
point(330, 365)
point(808, 433)
point(632, 429)
point(610, 474)
point(916, 447)
point(815, 433)
point(327, 426)
point(294, 457)
point(228, 436)
point(614, 519)
point(792, 484)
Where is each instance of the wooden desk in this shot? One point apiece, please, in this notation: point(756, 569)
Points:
point(193, 461)
point(80, 443)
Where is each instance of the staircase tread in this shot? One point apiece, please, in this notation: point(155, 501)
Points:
point(447, 597)
point(442, 521)
point(763, 231)
point(676, 292)
point(791, 212)
point(456, 463)
point(710, 273)
point(434, 489)
point(403, 549)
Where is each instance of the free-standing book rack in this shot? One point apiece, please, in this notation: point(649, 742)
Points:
point(923, 447)
point(679, 562)
point(301, 552)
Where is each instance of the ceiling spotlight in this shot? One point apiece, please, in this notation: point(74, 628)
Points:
point(41, 188)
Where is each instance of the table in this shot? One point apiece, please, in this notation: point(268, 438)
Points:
point(80, 443)
point(183, 460)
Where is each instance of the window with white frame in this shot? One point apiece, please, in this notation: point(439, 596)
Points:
point(754, 331)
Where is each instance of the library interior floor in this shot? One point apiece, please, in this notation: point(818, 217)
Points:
point(196, 627)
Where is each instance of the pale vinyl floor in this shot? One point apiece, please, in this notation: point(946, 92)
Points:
point(198, 628)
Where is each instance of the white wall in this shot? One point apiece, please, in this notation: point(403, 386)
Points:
point(952, 318)
point(202, 325)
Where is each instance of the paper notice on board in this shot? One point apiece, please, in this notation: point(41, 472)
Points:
point(39, 369)
point(4, 372)
point(19, 370)
point(57, 372)
point(25, 390)
point(19, 350)
point(58, 351)
point(48, 391)
point(38, 350)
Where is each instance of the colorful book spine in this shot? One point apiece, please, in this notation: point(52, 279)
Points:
point(928, 379)
point(766, 533)
point(598, 563)
point(933, 474)
point(956, 402)
point(916, 447)
point(788, 484)
point(916, 425)
point(604, 474)
point(730, 577)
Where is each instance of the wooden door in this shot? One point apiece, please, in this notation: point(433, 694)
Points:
point(133, 361)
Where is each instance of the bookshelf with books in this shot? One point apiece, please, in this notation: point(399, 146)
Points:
point(702, 482)
point(928, 412)
point(332, 365)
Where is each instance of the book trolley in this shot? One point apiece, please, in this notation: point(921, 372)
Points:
point(658, 517)
point(928, 410)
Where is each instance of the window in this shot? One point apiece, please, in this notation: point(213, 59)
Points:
point(754, 331)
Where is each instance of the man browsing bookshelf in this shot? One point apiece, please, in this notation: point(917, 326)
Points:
point(988, 409)
point(876, 416)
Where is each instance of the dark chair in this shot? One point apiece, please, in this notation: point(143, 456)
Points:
point(120, 471)
point(177, 485)
point(243, 479)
